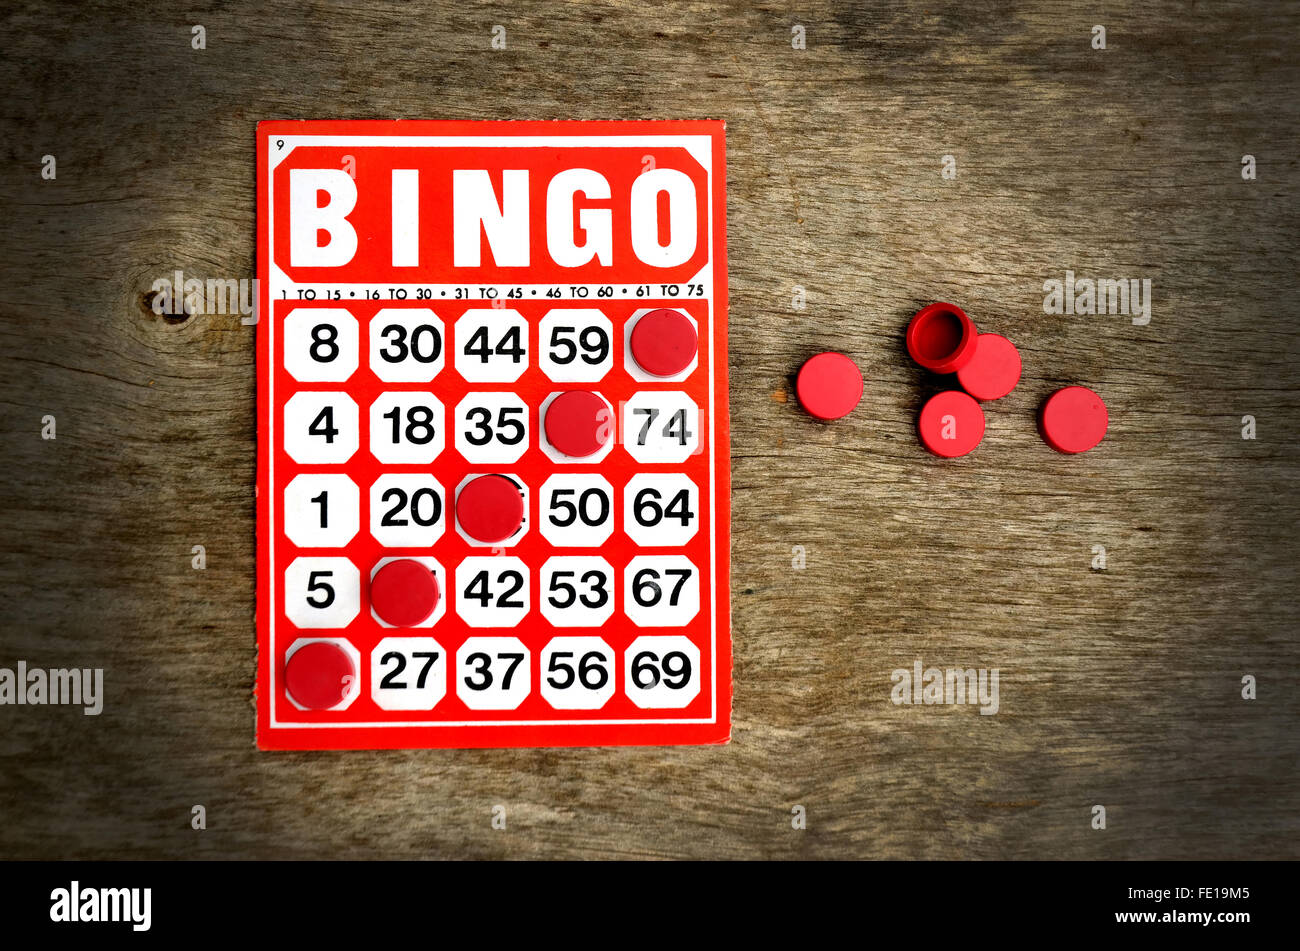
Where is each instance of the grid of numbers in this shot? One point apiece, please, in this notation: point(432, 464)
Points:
point(598, 607)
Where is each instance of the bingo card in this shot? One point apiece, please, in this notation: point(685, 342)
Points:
point(493, 480)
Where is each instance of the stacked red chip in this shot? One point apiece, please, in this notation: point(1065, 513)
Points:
point(943, 339)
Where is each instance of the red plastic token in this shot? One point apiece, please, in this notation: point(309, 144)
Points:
point(664, 342)
point(951, 424)
point(490, 509)
point(318, 675)
point(829, 385)
point(404, 592)
point(578, 423)
point(1074, 419)
point(941, 337)
point(993, 370)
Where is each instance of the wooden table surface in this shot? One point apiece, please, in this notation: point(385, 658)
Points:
point(1119, 687)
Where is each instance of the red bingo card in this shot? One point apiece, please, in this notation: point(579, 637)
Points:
point(493, 477)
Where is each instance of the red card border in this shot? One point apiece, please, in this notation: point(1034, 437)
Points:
point(654, 732)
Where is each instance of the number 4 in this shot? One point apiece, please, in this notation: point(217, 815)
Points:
point(323, 425)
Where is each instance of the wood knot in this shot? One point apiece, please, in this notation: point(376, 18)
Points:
point(147, 300)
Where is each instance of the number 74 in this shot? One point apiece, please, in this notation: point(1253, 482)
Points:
point(675, 428)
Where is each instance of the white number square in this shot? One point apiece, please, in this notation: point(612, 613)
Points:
point(661, 590)
point(577, 510)
point(661, 509)
point(406, 345)
point(321, 511)
point(493, 673)
point(320, 344)
point(322, 592)
point(408, 673)
point(661, 426)
point(407, 427)
point(407, 510)
point(577, 673)
point(661, 672)
point(320, 428)
point(491, 345)
point(577, 590)
point(492, 590)
point(575, 345)
point(491, 428)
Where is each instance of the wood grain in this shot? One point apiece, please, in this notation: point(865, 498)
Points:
point(1119, 687)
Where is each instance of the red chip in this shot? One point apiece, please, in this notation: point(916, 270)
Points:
point(993, 370)
point(1074, 419)
point(404, 592)
point(829, 385)
point(319, 674)
point(490, 509)
point(664, 342)
point(578, 423)
point(941, 337)
point(951, 424)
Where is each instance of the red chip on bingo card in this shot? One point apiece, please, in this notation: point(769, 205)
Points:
point(664, 342)
point(403, 592)
point(490, 508)
point(493, 457)
point(577, 423)
point(318, 674)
